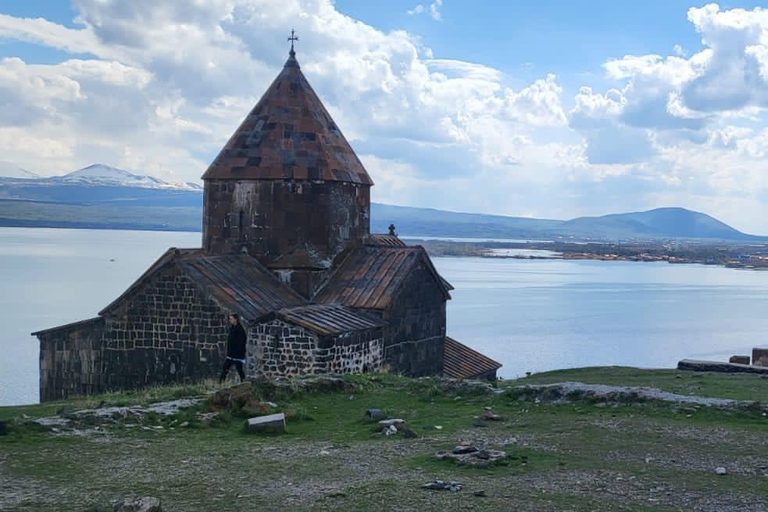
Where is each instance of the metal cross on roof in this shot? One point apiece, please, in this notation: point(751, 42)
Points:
point(292, 39)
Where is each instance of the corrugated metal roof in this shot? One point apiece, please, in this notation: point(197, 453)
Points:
point(288, 135)
point(379, 239)
point(371, 276)
point(462, 362)
point(238, 282)
point(329, 319)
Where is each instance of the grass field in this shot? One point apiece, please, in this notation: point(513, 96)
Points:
point(569, 456)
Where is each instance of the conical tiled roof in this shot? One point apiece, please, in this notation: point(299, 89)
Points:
point(288, 135)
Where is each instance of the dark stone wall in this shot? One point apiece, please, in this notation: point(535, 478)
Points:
point(281, 349)
point(71, 360)
point(303, 281)
point(414, 340)
point(272, 217)
point(164, 332)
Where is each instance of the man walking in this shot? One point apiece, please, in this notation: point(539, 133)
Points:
point(235, 348)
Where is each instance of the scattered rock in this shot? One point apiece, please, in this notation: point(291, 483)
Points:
point(185, 424)
point(391, 423)
point(471, 456)
point(407, 432)
point(65, 410)
point(439, 485)
point(207, 417)
point(490, 416)
point(390, 430)
point(143, 504)
point(480, 423)
point(480, 494)
point(374, 414)
point(273, 423)
point(564, 392)
point(721, 471)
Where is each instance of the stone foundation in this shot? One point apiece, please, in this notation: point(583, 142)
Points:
point(280, 349)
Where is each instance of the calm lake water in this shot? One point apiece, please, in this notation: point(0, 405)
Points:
point(531, 315)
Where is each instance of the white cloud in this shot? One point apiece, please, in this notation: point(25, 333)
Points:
point(158, 87)
point(433, 9)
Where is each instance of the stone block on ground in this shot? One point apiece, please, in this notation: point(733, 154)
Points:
point(273, 424)
point(391, 422)
point(143, 504)
point(374, 414)
point(739, 359)
point(760, 356)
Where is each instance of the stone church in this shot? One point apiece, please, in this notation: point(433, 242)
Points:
point(287, 246)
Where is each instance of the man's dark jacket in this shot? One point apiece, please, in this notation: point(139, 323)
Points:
point(236, 342)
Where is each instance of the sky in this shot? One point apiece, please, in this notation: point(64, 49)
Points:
point(548, 109)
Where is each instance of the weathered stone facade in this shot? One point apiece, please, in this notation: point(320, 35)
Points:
point(165, 331)
point(71, 360)
point(271, 218)
point(280, 349)
point(415, 335)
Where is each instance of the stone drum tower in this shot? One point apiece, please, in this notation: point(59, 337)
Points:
point(287, 188)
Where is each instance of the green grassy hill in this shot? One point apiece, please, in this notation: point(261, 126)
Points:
point(575, 454)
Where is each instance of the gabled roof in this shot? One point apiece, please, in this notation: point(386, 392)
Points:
point(379, 239)
point(372, 276)
point(329, 319)
point(288, 135)
point(462, 362)
point(237, 282)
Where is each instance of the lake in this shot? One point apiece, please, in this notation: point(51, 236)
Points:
point(530, 315)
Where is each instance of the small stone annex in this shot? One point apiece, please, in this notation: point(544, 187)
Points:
point(287, 246)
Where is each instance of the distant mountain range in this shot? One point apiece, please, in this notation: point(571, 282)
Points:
point(96, 175)
point(100, 196)
point(661, 223)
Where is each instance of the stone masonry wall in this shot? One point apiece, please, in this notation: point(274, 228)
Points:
point(164, 332)
point(280, 349)
point(355, 352)
point(71, 360)
point(415, 337)
point(271, 217)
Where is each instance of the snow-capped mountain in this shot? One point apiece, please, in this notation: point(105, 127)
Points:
point(9, 170)
point(105, 175)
